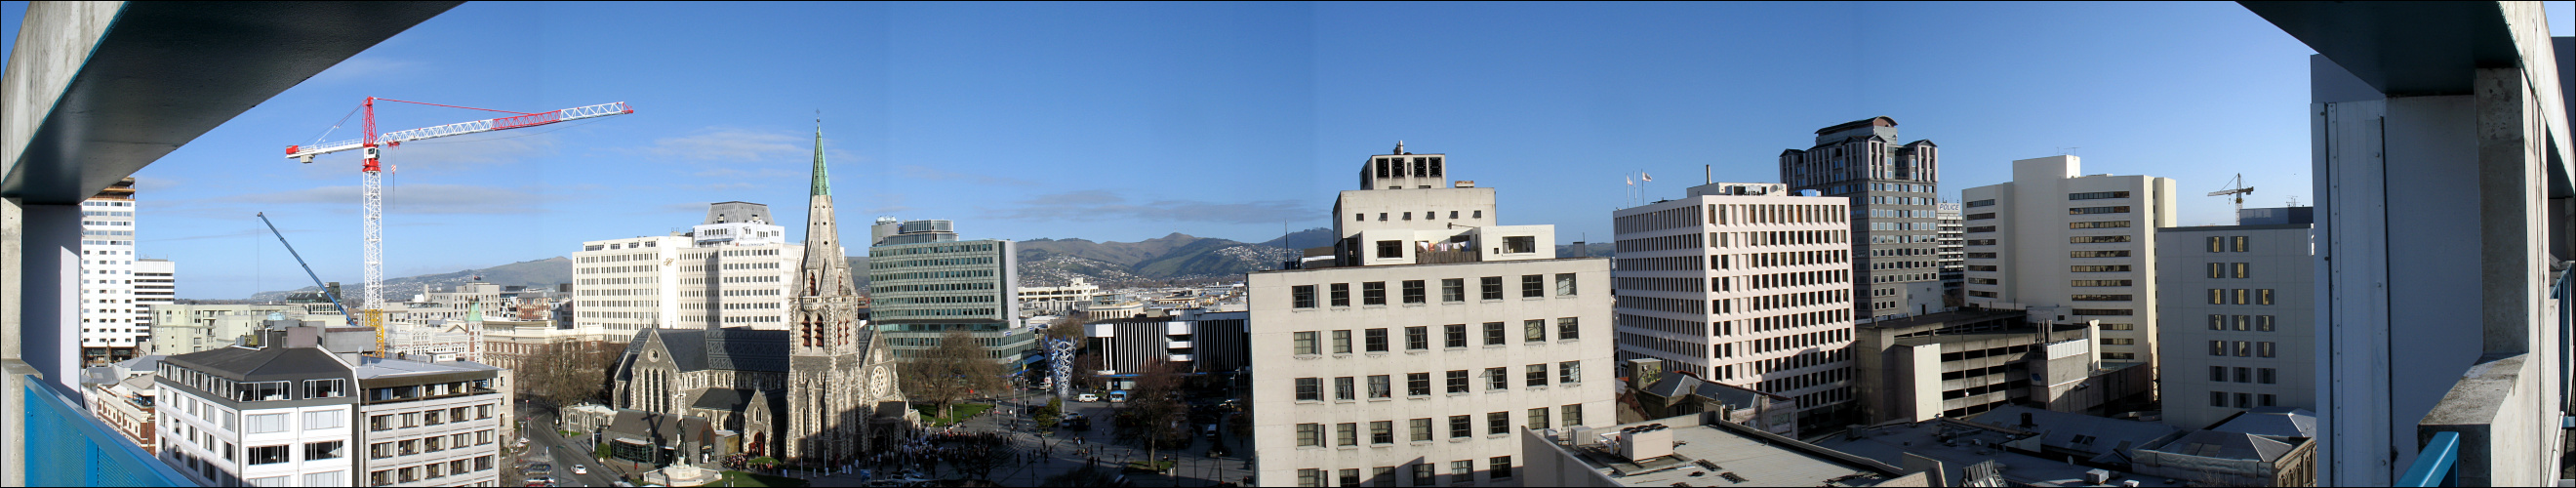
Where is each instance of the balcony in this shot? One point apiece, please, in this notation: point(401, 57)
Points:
point(2502, 424)
point(68, 447)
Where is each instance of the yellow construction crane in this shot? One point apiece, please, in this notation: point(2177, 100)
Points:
point(2236, 188)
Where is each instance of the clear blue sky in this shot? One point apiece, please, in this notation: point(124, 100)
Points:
point(1130, 121)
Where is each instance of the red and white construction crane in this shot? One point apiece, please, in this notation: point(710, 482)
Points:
point(372, 179)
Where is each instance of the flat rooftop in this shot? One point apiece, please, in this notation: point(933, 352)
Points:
point(1962, 316)
point(1729, 455)
point(369, 367)
point(1966, 445)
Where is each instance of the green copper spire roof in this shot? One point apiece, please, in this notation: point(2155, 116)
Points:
point(822, 177)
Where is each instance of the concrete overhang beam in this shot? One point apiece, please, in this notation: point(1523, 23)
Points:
point(164, 73)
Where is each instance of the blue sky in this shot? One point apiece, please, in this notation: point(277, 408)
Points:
point(1121, 122)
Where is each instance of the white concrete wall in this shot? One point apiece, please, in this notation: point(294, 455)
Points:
point(2276, 259)
point(1729, 280)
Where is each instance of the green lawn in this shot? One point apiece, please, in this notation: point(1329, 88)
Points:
point(738, 478)
point(568, 434)
point(963, 411)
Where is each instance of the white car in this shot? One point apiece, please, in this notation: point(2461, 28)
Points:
point(580, 469)
point(1086, 398)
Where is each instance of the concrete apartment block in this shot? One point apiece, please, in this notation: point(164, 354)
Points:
point(2078, 244)
point(2239, 314)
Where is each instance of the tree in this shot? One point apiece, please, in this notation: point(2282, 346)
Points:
point(566, 373)
point(1067, 327)
point(955, 370)
point(1154, 415)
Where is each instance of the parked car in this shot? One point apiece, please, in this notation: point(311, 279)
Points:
point(1086, 398)
point(540, 468)
point(580, 469)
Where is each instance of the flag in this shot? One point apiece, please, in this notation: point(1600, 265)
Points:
point(1631, 181)
point(1647, 177)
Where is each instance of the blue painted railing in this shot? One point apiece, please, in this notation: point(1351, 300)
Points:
point(68, 447)
point(2437, 464)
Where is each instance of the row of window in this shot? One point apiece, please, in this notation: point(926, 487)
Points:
point(429, 471)
point(2243, 400)
point(1426, 215)
point(2221, 243)
point(2260, 349)
point(1382, 432)
point(1461, 472)
point(2221, 270)
point(2256, 323)
point(2097, 210)
point(2244, 374)
point(1382, 387)
point(380, 423)
point(1452, 290)
point(2244, 296)
point(406, 447)
point(255, 391)
point(1454, 336)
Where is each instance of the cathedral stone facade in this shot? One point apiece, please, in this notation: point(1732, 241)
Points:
point(819, 394)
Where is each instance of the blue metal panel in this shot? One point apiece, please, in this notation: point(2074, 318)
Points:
point(68, 447)
point(2437, 464)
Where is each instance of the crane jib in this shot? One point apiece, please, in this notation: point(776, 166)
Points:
point(463, 128)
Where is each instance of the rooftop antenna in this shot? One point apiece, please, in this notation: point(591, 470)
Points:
point(2236, 190)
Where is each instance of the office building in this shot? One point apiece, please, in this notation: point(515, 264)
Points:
point(113, 326)
point(302, 408)
point(1429, 337)
point(1966, 362)
point(2239, 315)
point(2078, 244)
point(1949, 246)
point(1193, 343)
point(181, 329)
point(1892, 188)
point(731, 270)
point(923, 282)
point(1057, 299)
point(1697, 450)
point(1743, 284)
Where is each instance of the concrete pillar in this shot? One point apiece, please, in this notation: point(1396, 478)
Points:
point(48, 264)
point(2511, 241)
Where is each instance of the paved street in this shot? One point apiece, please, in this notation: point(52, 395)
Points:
point(547, 446)
point(1193, 467)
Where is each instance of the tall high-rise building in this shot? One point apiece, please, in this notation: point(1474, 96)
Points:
point(1424, 339)
point(1743, 284)
point(156, 284)
point(113, 326)
point(732, 270)
point(2080, 244)
point(2239, 316)
point(1952, 259)
point(923, 282)
point(1892, 189)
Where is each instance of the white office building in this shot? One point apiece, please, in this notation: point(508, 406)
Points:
point(1057, 299)
point(1742, 284)
point(295, 409)
point(731, 271)
point(113, 327)
point(2078, 245)
point(1425, 340)
point(156, 284)
point(2239, 316)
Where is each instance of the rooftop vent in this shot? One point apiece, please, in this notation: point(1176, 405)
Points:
point(1466, 183)
point(1645, 442)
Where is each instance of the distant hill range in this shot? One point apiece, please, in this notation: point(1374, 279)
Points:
point(1171, 259)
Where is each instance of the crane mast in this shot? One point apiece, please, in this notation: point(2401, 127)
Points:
point(2236, 190)
point(371, 187)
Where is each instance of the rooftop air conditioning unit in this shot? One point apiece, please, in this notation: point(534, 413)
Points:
point(1645, 442)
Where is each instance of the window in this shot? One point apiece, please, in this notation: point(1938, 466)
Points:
point(2244, 400)
point(334, 478)
point(2244, 374)
point(1423, 475)
point(1346, 434)
point(1462, 471)
point(2263, 323)
point(1498, 379)
point(1373, 293)
point(2241, 245)
point(2217, 244)
point(2217, 296)
point(1310, 477)
point(2217, 348)
point(1377, 340)
point(272, 481)
point(1303, 295)
point(1493, 287)
point(2097, 195)
point(1306, 343)
point(2267, 400)
point(1453, 290)
point(1498, 423)
point(2217, 270)
point(1346, 388)
point(1310, 435)
point(1493, 333)
point(1310, 389)
point(2244, 348)
point(330, 388)
point(1500, 467)
point(2114, 268)
point(1518, 244)
point(2242, 271)
point(1381, 386)
point(1537, 375)
point(2241, 295)
point(2241, 321)
point(1565, 284)
point(267, 454)
point(1454, 336)
point(1569, 372)
point(2266, 376)
point(2263, 296)
point(1458, 381)
point(268, 423)
point(1533, 286)
point(1417, 384)
point(1534, 331)
point(1341, 342)
point(1981, 203)
point(1573, 414)
point(2097, 210)
point(1392, 249)
point(1459, 428)
point(1414, 292)
point(2218, 373)
point(1351, 477)
point(1538, 418)
point(1567, 329)
point(1417, 338)
point(2119, 253)
point(2263, 349)
point(325, 450)
point(1341, 294)
point(1382, 432)
point(2096, 239)
point(2087, 297)
point(1422, 429)
point(2099, 224)
point(2100, 283)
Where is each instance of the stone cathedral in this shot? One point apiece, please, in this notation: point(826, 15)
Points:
point(819, 394)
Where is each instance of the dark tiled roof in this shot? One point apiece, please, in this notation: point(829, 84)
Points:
point(1676, 384)
point(275, 363)
point(722, 399)
point(732, 349)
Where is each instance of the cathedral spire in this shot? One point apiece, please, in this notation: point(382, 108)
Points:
point(822, 176)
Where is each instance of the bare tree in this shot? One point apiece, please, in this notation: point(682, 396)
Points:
point(955, 370)
point(566, 373)
point(1067, 327)
point(1153, 414)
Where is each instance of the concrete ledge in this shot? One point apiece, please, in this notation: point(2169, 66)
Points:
point(2483, 408)
point(13, 420)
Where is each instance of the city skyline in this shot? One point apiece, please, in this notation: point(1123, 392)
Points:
point(1051, 121)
